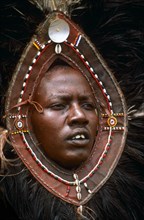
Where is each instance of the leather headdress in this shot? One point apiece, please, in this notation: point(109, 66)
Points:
point(60, 38)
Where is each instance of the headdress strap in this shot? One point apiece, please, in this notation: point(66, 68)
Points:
point(60, 38)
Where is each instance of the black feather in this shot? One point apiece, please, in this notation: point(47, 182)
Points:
point(117, 29)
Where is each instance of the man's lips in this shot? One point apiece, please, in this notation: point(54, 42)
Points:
point(79, 137)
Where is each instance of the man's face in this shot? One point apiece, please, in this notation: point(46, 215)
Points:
point(66, 129)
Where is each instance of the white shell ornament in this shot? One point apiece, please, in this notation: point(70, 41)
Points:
point(58, 49)
point(58, 31)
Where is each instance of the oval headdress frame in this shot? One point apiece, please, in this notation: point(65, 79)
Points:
point(59, 38)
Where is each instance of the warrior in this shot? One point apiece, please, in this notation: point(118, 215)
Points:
point(72, 111)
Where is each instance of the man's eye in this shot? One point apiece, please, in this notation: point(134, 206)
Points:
point(58, 106)
point(88, 106)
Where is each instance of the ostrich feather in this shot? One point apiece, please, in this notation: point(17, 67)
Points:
point(51, 5)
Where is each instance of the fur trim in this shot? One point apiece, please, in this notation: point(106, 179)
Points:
point(3, 139)
point(118, 32)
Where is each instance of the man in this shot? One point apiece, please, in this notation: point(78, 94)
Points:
point(57, 191)
point(67, 127)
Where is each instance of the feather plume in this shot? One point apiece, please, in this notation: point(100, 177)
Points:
point(51, 5)
point(117, 30)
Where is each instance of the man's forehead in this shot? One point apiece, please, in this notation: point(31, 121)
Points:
point(60, 77)
point(65, 95)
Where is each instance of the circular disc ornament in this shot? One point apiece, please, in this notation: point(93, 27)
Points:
point(19, 124)
point(112, 121)
point(58, 31)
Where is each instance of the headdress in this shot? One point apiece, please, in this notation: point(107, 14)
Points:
point(58, 37)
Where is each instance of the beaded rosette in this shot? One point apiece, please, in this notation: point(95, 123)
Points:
point(59, 38)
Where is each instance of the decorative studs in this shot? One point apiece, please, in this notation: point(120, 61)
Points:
point(19, 132)
point(112, 122)
point(37, 44)
point(86, 186)
point(114, 128)
point(17, 116)
point(114, 114)
point(78, 188)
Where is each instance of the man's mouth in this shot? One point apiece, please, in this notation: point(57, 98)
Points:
point(79, 137)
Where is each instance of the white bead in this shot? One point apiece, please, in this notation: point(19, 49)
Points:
point(79, 196)
point(77, 182)
point(89, 191)
point(78, 189)
point(75, 176)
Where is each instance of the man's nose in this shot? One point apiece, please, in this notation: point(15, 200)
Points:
point(77, 115)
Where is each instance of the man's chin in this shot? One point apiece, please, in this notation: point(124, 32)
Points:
point(72, 163)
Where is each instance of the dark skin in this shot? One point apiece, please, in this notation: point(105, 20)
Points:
point(67, 127)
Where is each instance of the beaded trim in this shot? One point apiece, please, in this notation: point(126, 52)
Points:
point(41, 49)
point(20, 132)
point(17, 116)
point(93, 73)
point(91, 70)
point(39, 53)
point(114, 114)
point(114, 128)
point(97, 166)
